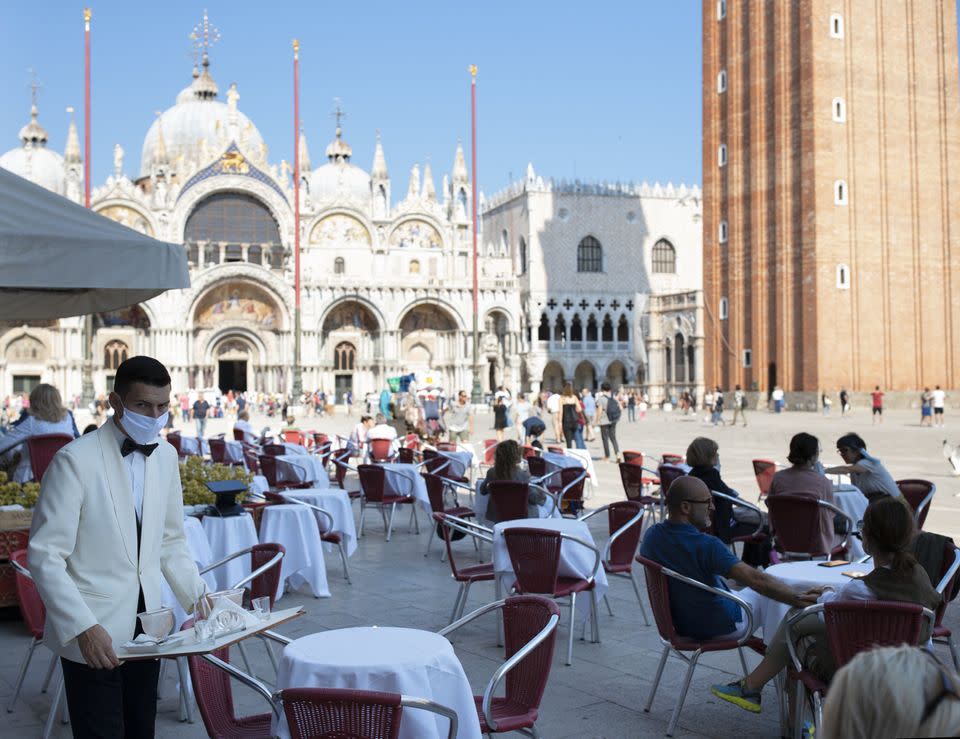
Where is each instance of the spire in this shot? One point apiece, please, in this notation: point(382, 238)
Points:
point(71, 154)
point(339, 150)
point(304, 153)
point(460, 174)
point(414, 190)
point(33, 134)
point(204, 35)
point(429, 191)
point(379, 170)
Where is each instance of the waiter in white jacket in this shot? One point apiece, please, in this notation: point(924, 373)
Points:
point(108, 522)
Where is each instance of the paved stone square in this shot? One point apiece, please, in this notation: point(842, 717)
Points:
point(603, 692)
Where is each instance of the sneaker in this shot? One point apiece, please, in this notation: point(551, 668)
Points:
point(809, 730)
point(739, 695)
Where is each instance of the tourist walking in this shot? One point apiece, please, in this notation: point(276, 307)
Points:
point(844, 402)
point(589, 412)
point(632, 407)
point(717, 415)
point(826, 403)
point(739, 406)
point(608, 413)
point(939, 399)
point(876, 398)
point(200, 410)
point(926, 408)
point(777, 397)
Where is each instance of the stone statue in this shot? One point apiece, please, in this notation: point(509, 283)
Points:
point(117, 160)
point(232, 97)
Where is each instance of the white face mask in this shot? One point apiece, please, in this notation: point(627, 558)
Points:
point(142, 429)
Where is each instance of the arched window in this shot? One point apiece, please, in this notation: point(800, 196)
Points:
point(722, 155)
point(623, 330)
point(339, 266)
point(232, 218)
point(843, 277)
point(664, 258)
point(679, 358)
point(840, 192)
point(576, 328)
point(113, 354)
point(589, 255)
point(344, 357)
point(543, 332)
point(721, 9)
point(414, 266)
point(504, 243)
point(606, 333)
point(523, 256)
point(836, 26)
point(724, 309)
point(722, 232)
point(560, 330)
point(592, 331)
point(839, 110)
point(722, 81)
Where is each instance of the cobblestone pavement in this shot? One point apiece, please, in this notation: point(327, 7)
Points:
point(602, 694)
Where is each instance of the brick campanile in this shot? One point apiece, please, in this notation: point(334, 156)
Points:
point(831, 211)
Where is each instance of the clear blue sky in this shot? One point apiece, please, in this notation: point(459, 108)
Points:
point(598, 91)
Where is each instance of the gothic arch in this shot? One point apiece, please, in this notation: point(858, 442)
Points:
point(238, 300)
point(417, 216)
point(218, 337)
point(239, 272)
point(447, 308)
point(135, 207)
point(353, 298)
point(342, 211)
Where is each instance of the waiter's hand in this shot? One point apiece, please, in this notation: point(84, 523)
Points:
point(96, 646)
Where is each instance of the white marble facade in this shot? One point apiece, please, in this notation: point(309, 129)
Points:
point(386, 285)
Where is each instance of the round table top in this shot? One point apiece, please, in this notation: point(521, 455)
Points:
point(369, 646)
point(811, 574)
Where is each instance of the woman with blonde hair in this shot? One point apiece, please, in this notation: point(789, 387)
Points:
point(45, 416)
point(892, 692)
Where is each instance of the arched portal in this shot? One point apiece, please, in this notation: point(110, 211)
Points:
point(236, 358)
point(428, 340)
point(350, 340)
point(616, 374)
point(584, 376)
point(552, 377)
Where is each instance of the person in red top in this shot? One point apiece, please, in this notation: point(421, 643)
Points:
point(877, 396)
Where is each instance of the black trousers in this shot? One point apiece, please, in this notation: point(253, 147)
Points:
point(112, 704)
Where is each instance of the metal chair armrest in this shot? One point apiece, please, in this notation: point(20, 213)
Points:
point(463, 621)
point(748, 611)
point(434, 707)
point(853, 524)
point(596, 553)
point(792, 619)
point(941, 586)
point(543, 478)
point(226, 559)
point(469, 528)
point(594, 512)
point(923, 504)
point(259, 571)
point(248, 680)
point(580, 478)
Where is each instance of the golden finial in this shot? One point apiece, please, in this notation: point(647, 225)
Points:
point(87, 12)
point(473, 72)
point(296, 48)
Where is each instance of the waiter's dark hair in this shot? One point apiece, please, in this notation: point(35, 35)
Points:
point(146, 370)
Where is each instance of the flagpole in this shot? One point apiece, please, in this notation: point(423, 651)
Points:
point(476, 392)
point(297, 371)
point(86, 389)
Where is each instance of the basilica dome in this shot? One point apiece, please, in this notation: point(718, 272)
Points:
point(338, 179)
point(33, 161)
point(198, 127)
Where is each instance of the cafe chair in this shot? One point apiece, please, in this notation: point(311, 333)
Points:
point(293, 436)
point(238, 435)
point(466, 576)
point(852, 627)
point(316, 713)
point(674, 459)
point(535, 557)
point(373, 487)
point(42, 448)
point(210, 676)
point(381, 450)
point(268, 468)
point(658, 590)
point(668, 472)
point(723, 506)
point(537, 466)
point(631, 456)
point(569, 495)
point(947, 584)
point(274, 450)
point(173, 438)
point(341, 464)
point(625, 522)
point(510, 498)
point(635, 484)
point(528, 452)
point(405, 455)
point(436, 487)
point(794, 520)
point(764, 470)
point(530, 635)
point(446, 446)
point(919, 494)
point(35, 617)
point(218, 452)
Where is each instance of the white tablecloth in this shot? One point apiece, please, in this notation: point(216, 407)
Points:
point(481, 502)
point(572, 458)
point(405, 479)
point(851, 501)
point(295, 527)
point(800, 576)
point(394, 660)
point(460, 462)
point(302, 468)
point(295, 448)
point(337, 503)
point(200, 549)
point(226, 536)
point(575, 560)
point(233, 451)
point(191, 445)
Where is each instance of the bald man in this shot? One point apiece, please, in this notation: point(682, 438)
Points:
point(680, 545)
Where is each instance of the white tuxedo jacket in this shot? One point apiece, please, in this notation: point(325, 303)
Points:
point(83, 541)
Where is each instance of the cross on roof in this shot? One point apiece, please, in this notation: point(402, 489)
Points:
point(583, 304)
point(568, 304)
point(204, 35)
point(34, 86)
point(551, 304)
point(615, 304)
point(338, 113)
point(629, 305)
point(598, 305)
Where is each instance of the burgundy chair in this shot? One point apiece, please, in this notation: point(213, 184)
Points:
point(658, 591)
point(466, 576)
point(327, 533)
point(489, 451)
point(530, 631)
point(373, 485)
point(336, 713)
point(535, 556)
point(218, 452)
point(238, 435)
point(446, 446)
point(510, 499)
point(406, 456)
point(537, 466)
point(435, 489)
point(852, 627)
point(635, 483)
point(795, 525)
point(625, 524)
point(34, 617)
point(42, 448)
point(174, 440)
point(274, 450)
point(268, 468)
point(569, 493)
point(947, 585)
point(555, 449)
point(252, 460)
point(632, 457)
point(529, 452)
point(919, 494)
point(380, 450)
point(764, 470)
point(293, 436)
point(671, 459)
point(668, 472)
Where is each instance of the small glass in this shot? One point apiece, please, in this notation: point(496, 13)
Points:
point(203, 630)
point(261, 607)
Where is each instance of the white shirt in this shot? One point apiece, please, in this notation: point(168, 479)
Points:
point(553, 403)
point(359, 434)
point(249, 434)
point(382, 431)
point(938, 397)
point(136, 467)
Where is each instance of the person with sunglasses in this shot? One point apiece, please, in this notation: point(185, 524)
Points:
point(865, 470)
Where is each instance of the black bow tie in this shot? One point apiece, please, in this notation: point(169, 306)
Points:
point(129, 446)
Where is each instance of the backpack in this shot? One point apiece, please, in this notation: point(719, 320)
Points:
point(613, 409)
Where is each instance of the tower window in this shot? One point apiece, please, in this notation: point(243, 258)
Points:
point(721, 9)
point(722, 81)
point(723, 232)
point(664, 258)
point(836, 26)
point(843, 277)
point(839, 110)
point(747, 357)
point(722, 156)
point(339, 266)
point(589, 255)
point(724, 309)
point(840, 195)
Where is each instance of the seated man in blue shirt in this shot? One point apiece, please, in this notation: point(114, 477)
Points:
point(680, 545)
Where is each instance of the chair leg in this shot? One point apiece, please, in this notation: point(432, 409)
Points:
point(343, 558)
point(363, 509)
point(594, 617)
point(246, 659)
point(797, 724)
point(414, 519)
point(393, 509)
point(573, 613)
point(54, 705)
point(496, 582)
point(675, 718)
point(817, 714)
point(636, 589)
point(743, 661)
point(54, 661)
point(271, 656)
point(24, 664)
point(430, 537)
point(456, 603)
point(186, 696)
point(463, 601)
point(656, 679)
point(607, 601)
